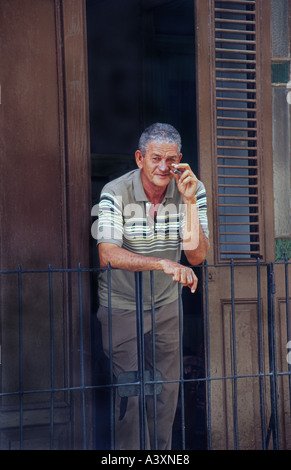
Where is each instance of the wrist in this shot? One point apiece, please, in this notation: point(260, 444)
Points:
point(193, 200)
point(160, 264)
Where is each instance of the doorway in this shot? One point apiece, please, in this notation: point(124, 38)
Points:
point(141, 69)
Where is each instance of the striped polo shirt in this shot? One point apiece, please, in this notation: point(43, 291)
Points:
point(124, 219)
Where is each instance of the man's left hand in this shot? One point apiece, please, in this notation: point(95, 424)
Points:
point(186, 182)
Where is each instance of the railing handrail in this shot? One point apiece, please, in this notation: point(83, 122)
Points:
point(272, 374)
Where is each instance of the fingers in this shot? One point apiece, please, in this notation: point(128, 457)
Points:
point(188, 177)
point(181, 170)
point(184, 176)
point(186, 277)
point(182, 274)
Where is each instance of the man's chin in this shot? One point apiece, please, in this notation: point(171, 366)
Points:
point(161, 180)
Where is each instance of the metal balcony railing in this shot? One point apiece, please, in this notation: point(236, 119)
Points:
point(51, 394)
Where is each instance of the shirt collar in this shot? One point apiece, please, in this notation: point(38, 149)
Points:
point(139, 193)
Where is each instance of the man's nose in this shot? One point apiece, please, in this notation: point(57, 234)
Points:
point(163, 166)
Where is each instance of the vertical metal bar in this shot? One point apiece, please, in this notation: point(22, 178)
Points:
point(84, 438)
point(261, 371)
point(207, 338)
point(52, 372)
point(181, 367)
point(234, 356)
point(288, 324)
point(20, 375)
point(272, 357)
point(140, 353)
point(112, 414)
point(154, 359)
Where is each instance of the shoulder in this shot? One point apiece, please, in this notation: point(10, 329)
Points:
point(121, 185)
point(200, 191)
point(200, 188)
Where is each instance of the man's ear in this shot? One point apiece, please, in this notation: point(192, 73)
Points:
point(139, 159)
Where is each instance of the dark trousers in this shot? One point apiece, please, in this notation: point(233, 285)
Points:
point(125, 359)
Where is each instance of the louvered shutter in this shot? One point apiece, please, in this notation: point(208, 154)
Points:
point(236, 145)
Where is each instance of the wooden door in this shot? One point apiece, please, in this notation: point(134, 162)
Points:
point(235, 148)
point(45, 215)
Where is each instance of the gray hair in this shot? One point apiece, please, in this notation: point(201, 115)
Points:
point(159, 132)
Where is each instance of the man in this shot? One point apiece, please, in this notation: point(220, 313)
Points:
point(145, 218)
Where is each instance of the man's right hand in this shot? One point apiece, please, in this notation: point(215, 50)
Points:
point(182, 274)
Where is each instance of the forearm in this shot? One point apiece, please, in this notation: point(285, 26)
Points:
point(120, 258)
point(195, 243)
point(123, 259)
point(197, 255)
point(191, 228)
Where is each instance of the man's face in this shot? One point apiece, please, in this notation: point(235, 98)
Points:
point(157, 161)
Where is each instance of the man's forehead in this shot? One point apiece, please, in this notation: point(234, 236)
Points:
point(162, 147)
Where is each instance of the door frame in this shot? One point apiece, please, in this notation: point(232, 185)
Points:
point(75, 141)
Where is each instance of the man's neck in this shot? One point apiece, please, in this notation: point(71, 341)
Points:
point(155, 199)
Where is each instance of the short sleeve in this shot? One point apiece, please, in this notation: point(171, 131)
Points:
point(110, 219)
point(202, 207)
